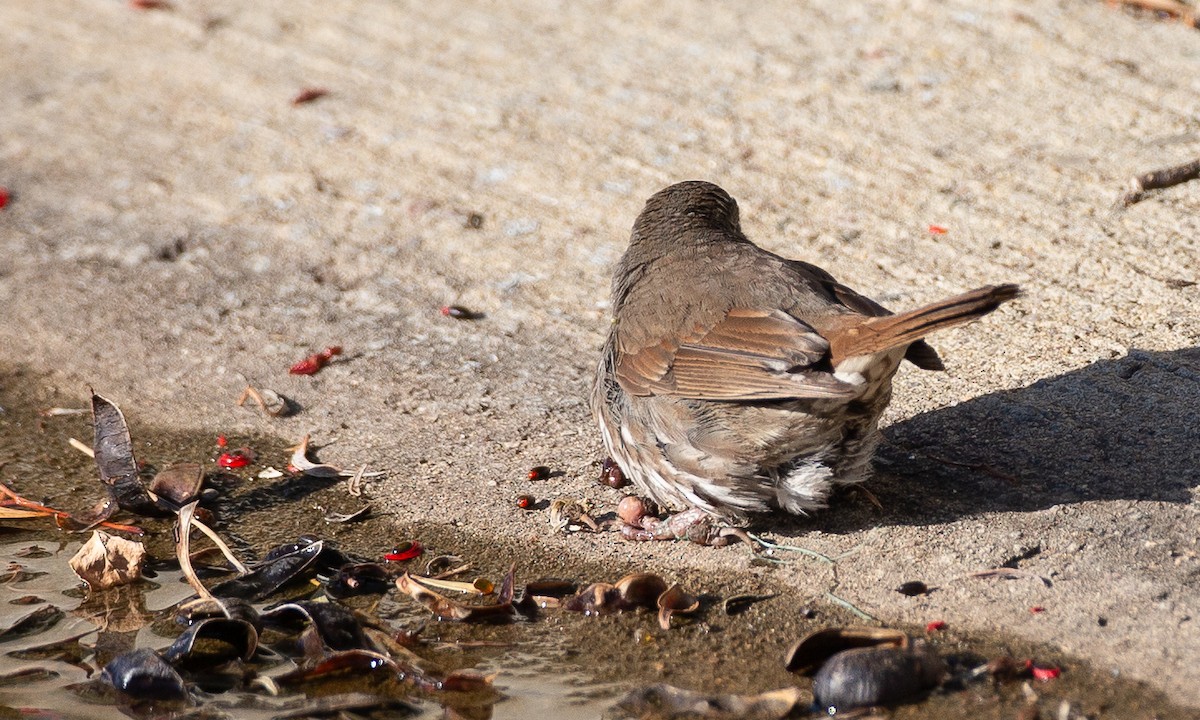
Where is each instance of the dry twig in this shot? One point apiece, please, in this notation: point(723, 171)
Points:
point(1142, 184)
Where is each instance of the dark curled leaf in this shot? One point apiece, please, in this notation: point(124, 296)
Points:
point(360, 579)
point(200, 609)
point(38, 621)
point(365, 664)
point(143, 675)
point(337, 627)
point(27, 675)
point(114, 459)
point(815, 648)
point(178, 484)
point(675, 601)
point(67, 650)
point(212, 642)
point(266, 579)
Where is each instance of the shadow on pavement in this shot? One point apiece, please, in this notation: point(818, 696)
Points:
point(1126, 429)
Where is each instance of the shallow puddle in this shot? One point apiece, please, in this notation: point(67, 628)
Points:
point(557, 665)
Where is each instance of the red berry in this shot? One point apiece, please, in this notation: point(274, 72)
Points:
point(935, 626)
point(1046, 673)
point(541, 472)
point(525, 502)
point(404, 551)
point(233, 460)
point(221, 441)
point(4, 196)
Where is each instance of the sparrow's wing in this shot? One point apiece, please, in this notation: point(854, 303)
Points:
point(748, 355)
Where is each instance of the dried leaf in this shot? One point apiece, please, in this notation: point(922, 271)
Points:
point(815, 648)
point(106, 561)
point(446, 609)
point(675, 600)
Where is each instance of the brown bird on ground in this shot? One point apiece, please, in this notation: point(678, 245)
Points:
point(736, 381)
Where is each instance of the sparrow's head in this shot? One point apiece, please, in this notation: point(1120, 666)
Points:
point(688, 206)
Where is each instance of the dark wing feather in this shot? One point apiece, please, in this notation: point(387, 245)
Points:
point(748, 355)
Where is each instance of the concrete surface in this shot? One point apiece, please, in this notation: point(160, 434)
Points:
point(179, 227)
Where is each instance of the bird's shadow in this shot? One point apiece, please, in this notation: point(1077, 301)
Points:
point(1125, 429)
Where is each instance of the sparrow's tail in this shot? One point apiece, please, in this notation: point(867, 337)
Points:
point(876, 334)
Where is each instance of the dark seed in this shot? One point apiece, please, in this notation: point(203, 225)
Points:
point(474, 221)
point(611, 475)
point(875, 676)
point(913, 588)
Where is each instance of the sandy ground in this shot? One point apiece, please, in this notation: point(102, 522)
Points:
point(178, 227)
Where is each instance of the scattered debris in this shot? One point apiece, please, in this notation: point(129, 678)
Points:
point(308, 95)
point(444, 608)
point(59, 411)
point(360, 514)
point(35, 622)
point(458, 312)
point(1141, 185)
point(150, 4)
point(570, 515)
point(937, 230)
point(106, 561)
point(404, 551)
point(235, 459)
point(1044, 673)
point(312, 364)
point(1007, 573)
point(913, 588)
point(1181, 11)
point(299, 462)
point(739, 604)
point(269, 401)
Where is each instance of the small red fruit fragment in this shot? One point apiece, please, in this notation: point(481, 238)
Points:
point(313, 363)
point(308, 366)
point(4, 196)
point(937, 230)
point(404, 551)
point(935, 626)
point(1046, 673)
point(233, 460)
point(541, 472)
point(221, 441)
point(149, 4)
point(525, 502)
point(1037, 609)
